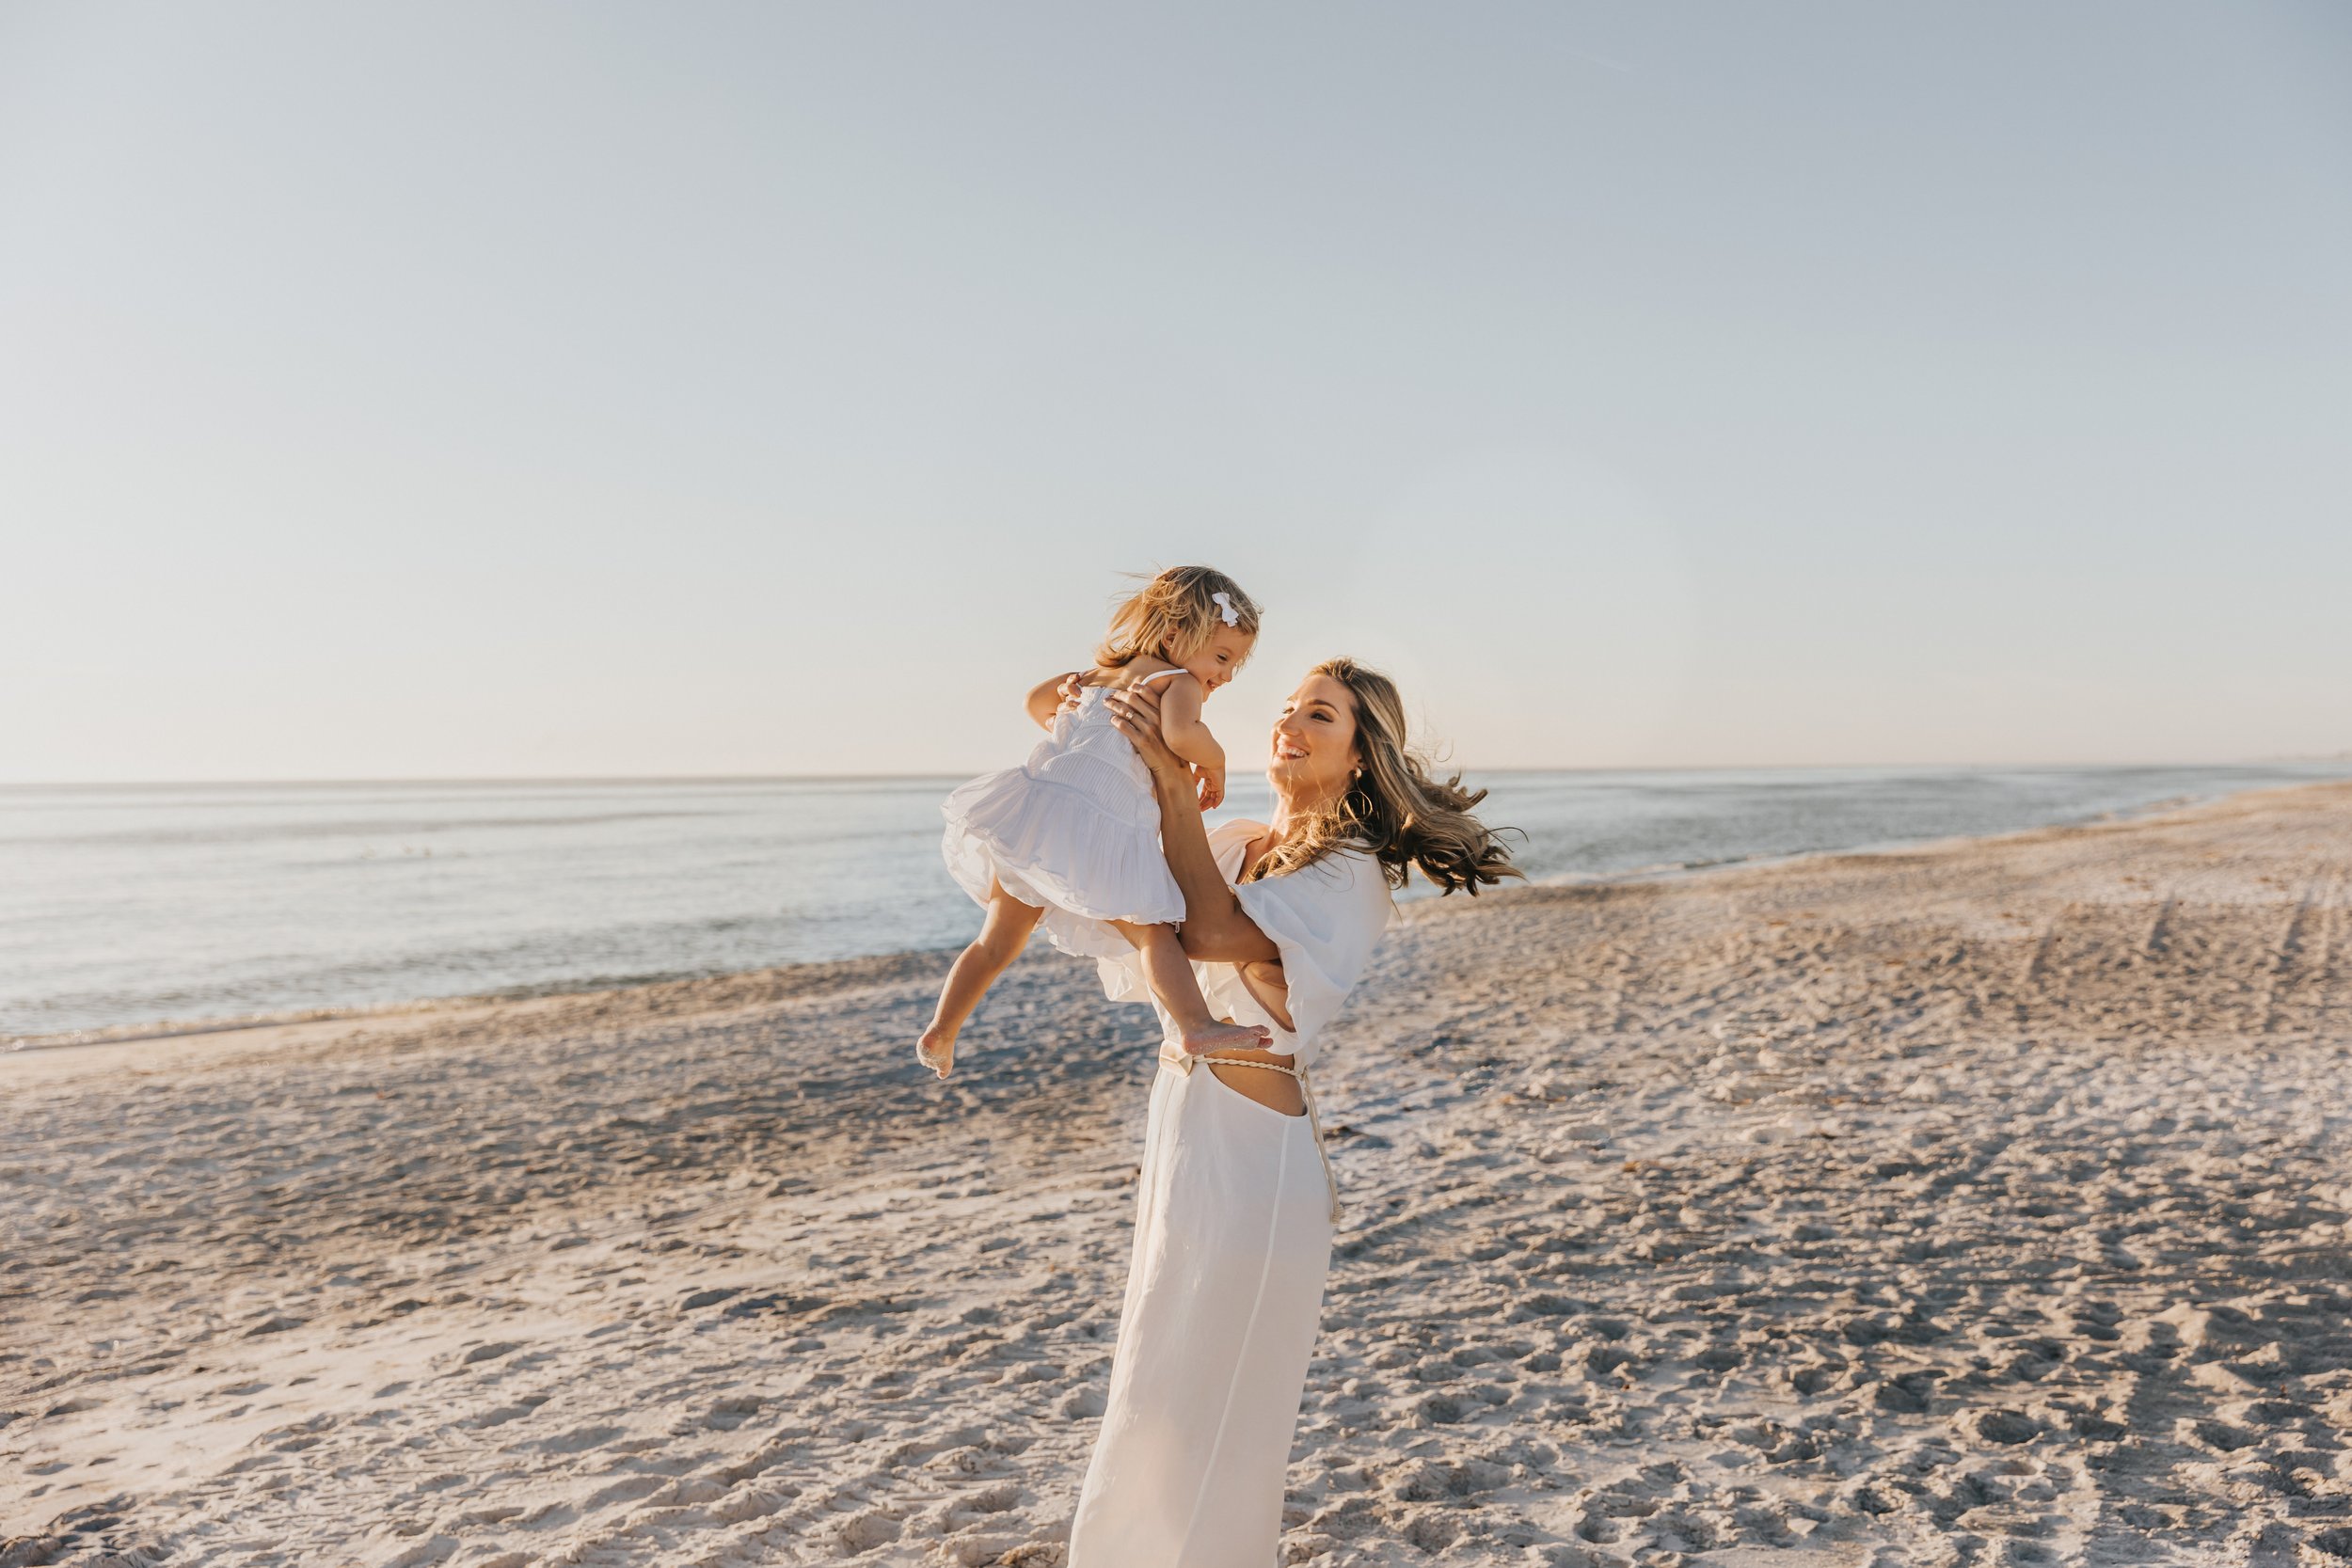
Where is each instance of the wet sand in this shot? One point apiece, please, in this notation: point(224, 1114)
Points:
point(1979, 1204)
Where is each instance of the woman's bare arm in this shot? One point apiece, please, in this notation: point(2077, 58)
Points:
point(1216, 929)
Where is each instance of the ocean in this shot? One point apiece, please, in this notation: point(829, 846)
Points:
point(126, 906)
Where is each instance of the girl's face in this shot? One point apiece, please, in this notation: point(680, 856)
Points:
point(1314, 742)
point(1217, 660)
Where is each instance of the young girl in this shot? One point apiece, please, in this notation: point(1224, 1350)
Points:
point(1073, 837)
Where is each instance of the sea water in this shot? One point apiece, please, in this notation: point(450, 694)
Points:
point(133, 905)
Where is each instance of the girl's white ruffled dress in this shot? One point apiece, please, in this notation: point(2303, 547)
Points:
point(1232, 1240)
point(1074, 831)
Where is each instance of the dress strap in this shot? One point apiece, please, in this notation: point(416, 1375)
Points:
point(1158, 674)
point(1182, 1061)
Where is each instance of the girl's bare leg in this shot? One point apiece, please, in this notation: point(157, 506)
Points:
point(1003, 934)
point(1171, 973)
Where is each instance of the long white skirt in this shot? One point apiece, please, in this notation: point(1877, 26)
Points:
point(1232, 1241)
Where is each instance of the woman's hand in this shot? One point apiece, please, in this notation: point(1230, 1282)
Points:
point(1136, 709)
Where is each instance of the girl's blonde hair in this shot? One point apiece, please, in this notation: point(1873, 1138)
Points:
point(1393, 807)
point(1175, 614)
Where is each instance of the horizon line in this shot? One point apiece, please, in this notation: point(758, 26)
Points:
point(912, 776)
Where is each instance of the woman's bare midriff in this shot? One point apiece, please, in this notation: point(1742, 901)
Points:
point(1275, 1091)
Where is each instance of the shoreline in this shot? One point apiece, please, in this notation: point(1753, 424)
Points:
point(297, 1026)
point(241, 1041)
point(1676, 870)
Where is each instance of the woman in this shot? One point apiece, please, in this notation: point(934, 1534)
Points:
point(1236, 1201)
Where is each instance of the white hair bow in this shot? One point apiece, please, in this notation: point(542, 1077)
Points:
point(1225, 607)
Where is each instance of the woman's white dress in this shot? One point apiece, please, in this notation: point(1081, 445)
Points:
point(1074, 831)
point(1232, 1240)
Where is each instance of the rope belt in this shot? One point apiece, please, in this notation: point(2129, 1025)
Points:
point(1182, 1061)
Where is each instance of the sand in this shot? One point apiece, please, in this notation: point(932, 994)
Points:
point(1978, 1204)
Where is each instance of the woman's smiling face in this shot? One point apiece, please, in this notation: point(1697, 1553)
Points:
point(1314, 743)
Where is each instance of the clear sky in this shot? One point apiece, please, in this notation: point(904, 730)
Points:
point(413, 389)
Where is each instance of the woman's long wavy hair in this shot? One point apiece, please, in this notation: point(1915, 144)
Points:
point(1395, 807)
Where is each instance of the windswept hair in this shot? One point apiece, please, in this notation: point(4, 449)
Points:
point(1396, 808)
point(1175, 613)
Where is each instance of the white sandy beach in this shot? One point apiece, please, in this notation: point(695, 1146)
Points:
point(1979, 1204)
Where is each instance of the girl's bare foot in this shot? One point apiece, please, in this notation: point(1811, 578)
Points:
point(936, 1049)
point(1214, 1036)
